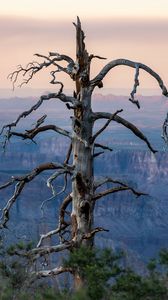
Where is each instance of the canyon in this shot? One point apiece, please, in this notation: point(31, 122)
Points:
point(137, 225)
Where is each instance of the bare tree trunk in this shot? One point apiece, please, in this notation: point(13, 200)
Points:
point(82, 185)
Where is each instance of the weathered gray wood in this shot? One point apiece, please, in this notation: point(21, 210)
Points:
point(80, 222)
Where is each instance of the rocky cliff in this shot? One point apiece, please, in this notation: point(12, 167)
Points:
point(136, 224)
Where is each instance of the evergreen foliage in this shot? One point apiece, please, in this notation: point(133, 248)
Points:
point(102, 271)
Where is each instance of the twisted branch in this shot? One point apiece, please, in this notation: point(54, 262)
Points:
point(60, 57)
point(21, 181)
point(40, 251)
point(50, 185)
point(63, 207)
point(91, 234)
point(62, 223)
point(5, 212)
point(136, 84)
point(66, 161)
point(24, 114)
point(125, 62)
point(50, 273)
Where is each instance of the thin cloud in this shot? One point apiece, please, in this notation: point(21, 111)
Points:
point(11, 27)
point(124, 29)
point(137, 39)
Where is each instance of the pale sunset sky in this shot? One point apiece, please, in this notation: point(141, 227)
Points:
point(132, 29)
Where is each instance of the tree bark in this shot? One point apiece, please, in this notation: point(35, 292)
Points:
point(82, 185)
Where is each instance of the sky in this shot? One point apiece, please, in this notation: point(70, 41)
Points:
point(136, 30)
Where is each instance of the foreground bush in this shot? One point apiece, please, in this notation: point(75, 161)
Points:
point(103, 275)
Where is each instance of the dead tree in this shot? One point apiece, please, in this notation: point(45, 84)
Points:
point(85, 189)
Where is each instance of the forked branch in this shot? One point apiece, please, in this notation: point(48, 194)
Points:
point(116, 190)
point(30, 134)
point(59, 95)
point(49, 234)
point(34, 67)
point(106, 125)
point(125, 123)
point(105, 180)
point(96, 145)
